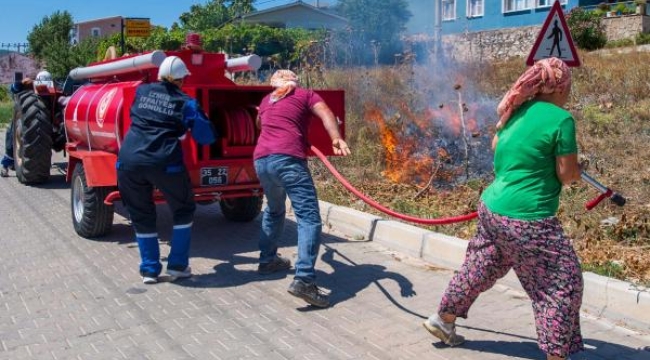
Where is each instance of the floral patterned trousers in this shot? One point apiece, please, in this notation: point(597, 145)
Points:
point(546, 265)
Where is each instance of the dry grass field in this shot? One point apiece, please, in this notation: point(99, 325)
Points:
point(420, 139)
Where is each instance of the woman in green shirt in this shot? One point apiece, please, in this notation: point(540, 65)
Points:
point(535, 153)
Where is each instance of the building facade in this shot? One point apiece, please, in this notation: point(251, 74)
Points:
point(466, 16)
point(96, 28)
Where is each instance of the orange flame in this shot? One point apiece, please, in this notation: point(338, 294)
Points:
point(409, 158)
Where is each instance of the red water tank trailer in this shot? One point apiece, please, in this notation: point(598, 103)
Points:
point(97, 116)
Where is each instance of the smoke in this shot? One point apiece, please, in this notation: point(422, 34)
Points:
point(423, 17)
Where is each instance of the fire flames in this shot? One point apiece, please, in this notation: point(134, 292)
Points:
point(430, 145)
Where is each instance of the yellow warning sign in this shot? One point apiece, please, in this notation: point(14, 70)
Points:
point(137, 27)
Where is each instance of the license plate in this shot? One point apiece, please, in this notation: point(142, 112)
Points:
point(214, 176)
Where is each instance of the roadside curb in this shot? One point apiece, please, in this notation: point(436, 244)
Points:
point(617, 301)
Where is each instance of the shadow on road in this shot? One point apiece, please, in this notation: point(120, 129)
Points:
point(234, 247)
point(594, 349)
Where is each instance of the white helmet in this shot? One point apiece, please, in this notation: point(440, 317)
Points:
point(44, 76)
point(172, 68)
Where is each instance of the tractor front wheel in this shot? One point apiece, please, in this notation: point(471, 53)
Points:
point(32, 140)
point(90, 216)
point(242, 209)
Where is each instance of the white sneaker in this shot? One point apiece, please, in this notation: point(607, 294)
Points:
point(149, 280)
point(443, 331)
point(179, 274)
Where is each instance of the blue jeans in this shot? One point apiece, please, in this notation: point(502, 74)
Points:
point(282, 175)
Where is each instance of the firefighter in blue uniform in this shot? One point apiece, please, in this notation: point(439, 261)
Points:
point(151, 157)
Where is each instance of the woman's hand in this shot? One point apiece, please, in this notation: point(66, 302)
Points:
point(340, 147)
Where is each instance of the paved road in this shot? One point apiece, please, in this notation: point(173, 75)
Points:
point(65, 297)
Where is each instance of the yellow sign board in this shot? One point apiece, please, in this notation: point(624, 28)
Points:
point(139, 27)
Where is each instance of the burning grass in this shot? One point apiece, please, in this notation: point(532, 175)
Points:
point(421, 146)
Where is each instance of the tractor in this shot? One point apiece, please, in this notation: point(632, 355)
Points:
point(37, 128)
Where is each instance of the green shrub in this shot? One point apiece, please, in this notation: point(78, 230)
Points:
point(6, 112)
point(610, 269)
point(642, 38)
point(619, 43)
point(621, 8)
point(586, 29)
point(4, 93)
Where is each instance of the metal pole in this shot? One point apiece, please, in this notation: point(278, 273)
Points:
point(122, 45)
point(437, 28)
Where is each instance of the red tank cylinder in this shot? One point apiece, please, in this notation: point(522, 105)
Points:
point(94, 117)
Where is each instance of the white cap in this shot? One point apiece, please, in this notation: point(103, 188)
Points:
point(172, 68)
point(44, 76)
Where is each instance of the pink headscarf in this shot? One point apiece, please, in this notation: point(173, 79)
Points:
point(284, 81)
point(546, 76)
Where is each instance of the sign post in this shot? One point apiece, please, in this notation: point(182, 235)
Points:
point(554, 40)
point(134, 27)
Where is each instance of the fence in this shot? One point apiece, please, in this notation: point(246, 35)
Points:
point(18, 47)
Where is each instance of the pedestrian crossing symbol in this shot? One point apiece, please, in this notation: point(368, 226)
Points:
point(554, 40)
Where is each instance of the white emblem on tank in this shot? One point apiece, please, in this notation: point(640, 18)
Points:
point(102, 107)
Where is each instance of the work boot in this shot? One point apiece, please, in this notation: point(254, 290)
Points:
point(310, 293)
point(4, 172)
point(443, 331)
point(277, 264)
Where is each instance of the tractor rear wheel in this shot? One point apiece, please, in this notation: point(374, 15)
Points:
point(90, 216)
point(32, 140)
point(242, 209)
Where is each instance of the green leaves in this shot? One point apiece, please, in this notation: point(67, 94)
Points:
point(586, 29)
point(53, 28)
point(214, 14)
point(49, 42)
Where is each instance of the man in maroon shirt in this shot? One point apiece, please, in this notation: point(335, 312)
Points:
point(281, 165)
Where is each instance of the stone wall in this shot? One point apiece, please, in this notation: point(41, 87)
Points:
point(494, 44)
point(505, 43)
point(626, 26)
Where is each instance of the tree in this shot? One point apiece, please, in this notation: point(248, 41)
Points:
point(49, 42)
point(214, 14)
point(60, 56)
point(53, 28)
point(375, 25)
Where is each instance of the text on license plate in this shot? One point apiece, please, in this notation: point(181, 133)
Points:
point(213, 176)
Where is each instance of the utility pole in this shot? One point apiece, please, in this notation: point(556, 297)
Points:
point(437, 28)
point(122, 45)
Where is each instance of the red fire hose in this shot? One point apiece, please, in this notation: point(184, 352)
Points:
point(605, 193)
point(376, 205)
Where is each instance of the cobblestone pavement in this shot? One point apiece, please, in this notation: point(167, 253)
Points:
point(65, 297)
